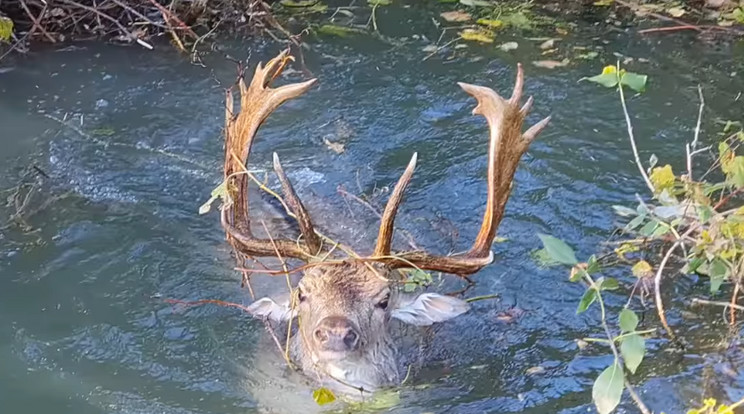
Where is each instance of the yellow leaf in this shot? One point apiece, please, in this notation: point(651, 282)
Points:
point(483, 36)
point(492, 23)
point(662, 178)
point(642, 269)
point(323, 396)
point(6, 28)
point(624, 249)
point(609, 69)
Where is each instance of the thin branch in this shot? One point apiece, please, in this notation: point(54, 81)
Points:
point(631, 137)
point(698, 301)
point(700, 118)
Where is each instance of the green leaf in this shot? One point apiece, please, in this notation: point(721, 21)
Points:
point(219, 192)
point(608, 284)
point(632, 349)
point(648, 229)
point(635, 222)
point(323, 396)
point(592, 265)
point(628, 320)
point(623, 211)
point(693, 265)
point(336, 30)
point(705, 213)
point(608, 388)
point(558, 250)
point(589, 297)
point(6, 28)
point(608, 80)
point(718, 273)
point(517, 20)
point(634, 81)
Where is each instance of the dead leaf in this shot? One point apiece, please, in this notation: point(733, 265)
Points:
point(508, 46)
point(535, 370)
point(548, 44)
point(551, 64)
point(714, 4)
point(456, 16)
point(676, 12)
point(336, 147)
point(581, 344)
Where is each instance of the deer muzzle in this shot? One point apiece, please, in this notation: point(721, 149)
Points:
point(336, 334)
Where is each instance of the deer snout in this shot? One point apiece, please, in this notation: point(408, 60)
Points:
point(336, 333)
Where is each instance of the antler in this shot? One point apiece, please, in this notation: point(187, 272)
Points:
point(507, 144)
point(257, 101)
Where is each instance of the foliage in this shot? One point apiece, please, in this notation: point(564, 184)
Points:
point(608, 387)
point(683, 211)
point(6, 28)
point(323, 396)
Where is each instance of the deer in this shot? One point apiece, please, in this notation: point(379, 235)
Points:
point(344, 305)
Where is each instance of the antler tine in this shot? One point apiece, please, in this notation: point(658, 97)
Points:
point(295, 204)
point(387, 223)
point(257, 101)
point(506, 146)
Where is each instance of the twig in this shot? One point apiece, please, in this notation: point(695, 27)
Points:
point(688, 27)
point(636, 398)
point(732, 314)
point(632, 139)
point(111, 19)
point(669, 29)
point(36, 21)
point(700, 117)
point(657, 280)
point(699, 301)
point(440, 48)
point(167, 15)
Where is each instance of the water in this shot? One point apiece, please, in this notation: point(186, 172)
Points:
point(83, 324)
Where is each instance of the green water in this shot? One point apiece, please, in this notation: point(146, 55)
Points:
point(83, 324)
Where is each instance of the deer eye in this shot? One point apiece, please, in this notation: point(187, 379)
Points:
point(300, 295)
point(383, 304)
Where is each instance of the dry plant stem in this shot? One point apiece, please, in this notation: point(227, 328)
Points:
point(699, 301)
point(631, 137)
point(36, 22)
point(167, 15)
point(732, 314)
point(657, 280)
point(111, 19)
point(699, 119)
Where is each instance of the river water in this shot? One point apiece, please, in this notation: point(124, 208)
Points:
point(84, 327)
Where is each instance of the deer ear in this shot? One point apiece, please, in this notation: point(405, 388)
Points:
point(267, 308)
point(429, 308)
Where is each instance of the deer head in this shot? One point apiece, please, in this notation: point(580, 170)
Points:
point(343, 306)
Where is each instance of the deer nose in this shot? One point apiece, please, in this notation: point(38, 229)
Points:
point(336, 333)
